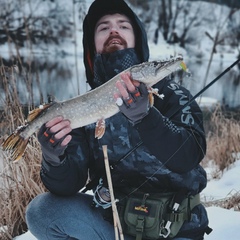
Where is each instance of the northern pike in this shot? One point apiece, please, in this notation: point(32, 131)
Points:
point(91, 107)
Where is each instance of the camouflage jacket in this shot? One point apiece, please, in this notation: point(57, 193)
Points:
point(167, 160)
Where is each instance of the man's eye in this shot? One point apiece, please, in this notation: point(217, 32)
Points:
point(103, 28)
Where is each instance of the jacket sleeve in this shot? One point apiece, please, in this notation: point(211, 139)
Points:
point(71, 175)
point(178, 141)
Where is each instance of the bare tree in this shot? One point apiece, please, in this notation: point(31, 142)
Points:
point(167, 19)
point(218, 38)
point(15, 21)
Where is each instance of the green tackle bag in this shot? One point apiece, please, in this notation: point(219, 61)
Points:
point(151, 216)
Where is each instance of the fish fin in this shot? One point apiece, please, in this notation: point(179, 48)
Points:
point(100, 128)
point(16, 144)
point(36, 112)
point(155, 92)
point(151, 99)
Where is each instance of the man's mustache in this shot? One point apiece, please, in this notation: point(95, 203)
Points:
point(117, 37)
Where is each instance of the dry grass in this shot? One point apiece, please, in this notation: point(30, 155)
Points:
point(223, 139)
point(231, 201)
point(19, 182)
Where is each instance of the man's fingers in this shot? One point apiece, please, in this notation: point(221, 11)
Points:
point(127, 82)
point(122, 90)
point(126, 85)
point(128, 90)
point(130, 84)
point(66, 140)
point(54, 121)
point(64, 124)
point(63, 132)
point(62, 127)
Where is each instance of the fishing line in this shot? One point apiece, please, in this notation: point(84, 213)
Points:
point(163, 165)
point(181, 108)
point(206, 87)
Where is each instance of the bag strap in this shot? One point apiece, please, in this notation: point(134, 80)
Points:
point(190, 202)
point(194, 201)
point(175, 216)
point(139, 227)
point(141, 220)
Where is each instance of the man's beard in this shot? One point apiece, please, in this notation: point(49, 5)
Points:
point(114, 47)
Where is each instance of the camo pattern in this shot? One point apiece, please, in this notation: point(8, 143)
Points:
point(141, 166)
point(141, 170)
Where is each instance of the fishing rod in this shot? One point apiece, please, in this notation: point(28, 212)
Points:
point(205, 88)
point(94, 182)
point(182, 107)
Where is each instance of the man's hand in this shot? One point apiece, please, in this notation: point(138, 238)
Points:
point(132, 98)
point(54, 138)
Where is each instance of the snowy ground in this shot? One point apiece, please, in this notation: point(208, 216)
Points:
point(225, 223)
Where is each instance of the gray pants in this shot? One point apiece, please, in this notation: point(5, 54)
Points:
point(54, 217)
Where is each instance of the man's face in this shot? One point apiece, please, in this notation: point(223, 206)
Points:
point(113, 32)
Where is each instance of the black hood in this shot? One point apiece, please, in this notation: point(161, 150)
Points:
point(98, 9)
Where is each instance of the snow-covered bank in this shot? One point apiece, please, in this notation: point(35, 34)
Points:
point(225, 223)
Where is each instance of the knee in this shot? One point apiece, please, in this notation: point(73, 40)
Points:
point(35, 212)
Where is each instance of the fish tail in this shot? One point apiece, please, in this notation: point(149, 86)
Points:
point(16, 144)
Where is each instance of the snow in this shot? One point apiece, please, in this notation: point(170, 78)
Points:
point(227, 185)
point(224, 222)
point(207, 102)
point(25, 236)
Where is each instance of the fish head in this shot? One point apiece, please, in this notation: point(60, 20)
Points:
point(152, 72)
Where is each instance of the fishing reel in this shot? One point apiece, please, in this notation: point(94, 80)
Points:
point(101, 196)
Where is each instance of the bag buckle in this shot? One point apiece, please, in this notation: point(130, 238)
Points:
point(140, 224)
point(165, 231)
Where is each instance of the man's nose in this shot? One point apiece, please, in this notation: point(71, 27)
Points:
point(114, 30)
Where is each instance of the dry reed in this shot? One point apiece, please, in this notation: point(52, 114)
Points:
point(20, 182)
point(223, 139)
point(231, 201)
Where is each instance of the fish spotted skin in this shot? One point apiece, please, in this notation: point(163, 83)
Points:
point(90, 107)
